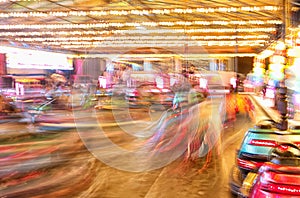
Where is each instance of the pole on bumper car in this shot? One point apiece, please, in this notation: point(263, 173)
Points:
point(281, 99)
point(282, 90)
point(282, 107)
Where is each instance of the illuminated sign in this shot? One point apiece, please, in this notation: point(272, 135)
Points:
point(23, 59)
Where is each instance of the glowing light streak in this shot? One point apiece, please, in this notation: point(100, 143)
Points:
point(135, 24)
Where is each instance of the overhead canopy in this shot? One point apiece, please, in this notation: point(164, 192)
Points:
point(113, 26)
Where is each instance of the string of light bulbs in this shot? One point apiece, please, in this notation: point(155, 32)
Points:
point(138, 11)
point(152, 43)
point(133, 24)
point(130, 32)
point(136, 24)
point(139, 38)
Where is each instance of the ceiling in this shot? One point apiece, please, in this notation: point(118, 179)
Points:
point(111, 26)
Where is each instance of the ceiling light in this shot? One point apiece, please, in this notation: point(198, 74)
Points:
point(137, 12)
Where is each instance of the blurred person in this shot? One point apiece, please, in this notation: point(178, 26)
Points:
point(265, 86)
point(192, 69)
point(233, 84)
point(194, 96)
point(126, 75)
point(58, 79)
point(180, 99)
point(6, 105)
point(231, 108)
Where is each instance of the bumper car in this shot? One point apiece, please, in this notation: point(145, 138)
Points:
point(8, 111)
point(279, 177)
point(255, 150)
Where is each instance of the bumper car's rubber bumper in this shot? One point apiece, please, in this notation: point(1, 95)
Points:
point(235, 182)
